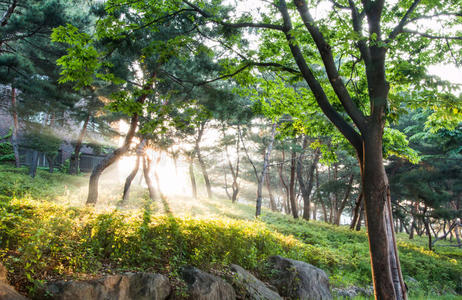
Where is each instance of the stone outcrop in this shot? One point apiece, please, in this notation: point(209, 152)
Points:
point(129, 286)
point(205, 286)
point(249, 287)
point(298, 280)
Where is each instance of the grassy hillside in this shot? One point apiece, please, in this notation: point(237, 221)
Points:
point(46, 233)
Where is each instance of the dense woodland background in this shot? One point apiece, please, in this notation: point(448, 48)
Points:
point(312, 116)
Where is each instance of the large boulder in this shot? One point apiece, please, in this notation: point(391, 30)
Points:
point(298, 280)
point(129, 286)
point(205, 286)
point(248, 286)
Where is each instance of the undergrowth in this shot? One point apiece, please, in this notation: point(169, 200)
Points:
point(42, 240)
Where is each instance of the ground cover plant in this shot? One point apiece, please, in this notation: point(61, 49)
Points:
point(42, 239)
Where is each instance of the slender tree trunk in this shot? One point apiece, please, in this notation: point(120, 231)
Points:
point(273, 205)
point(33, 166)
point(226, 186)
point(361, 217)
point(234, 170)
point(261, 179)
point(74, 165)
point(192, 178)
point(201, 161)
point(427, 229)
point(116, 154)
point(284, 184)
point(132, 175)
point(156, 177)
point(51, 163)
point(293, 203)
point(340, 208)
point(129, 179)
point(14, 134)
point(147, 177)
point(356, 212)
point(306, 190)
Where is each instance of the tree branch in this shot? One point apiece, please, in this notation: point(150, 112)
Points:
point(327, 57)
point(431, 36)
point(398, 29)
point(321, 98)
point(233, 25)
point(6, 17)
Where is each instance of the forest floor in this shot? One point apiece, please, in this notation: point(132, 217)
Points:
point(47, 233)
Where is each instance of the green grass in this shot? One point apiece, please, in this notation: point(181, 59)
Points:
point(46, 232)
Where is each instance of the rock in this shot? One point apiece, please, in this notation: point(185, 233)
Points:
point(249, 287)
point(352, 292)
point(298, 280)
point(204, 286)
point(129, 286)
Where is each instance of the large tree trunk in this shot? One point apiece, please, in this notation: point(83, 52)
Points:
point(201, 161)
point(261, 179)
point(292, 197)
point(74, 165)
point(14, 134)
point(116, 154)
point(388, 282)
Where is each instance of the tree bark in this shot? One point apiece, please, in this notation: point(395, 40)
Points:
point(116, 154)
point(74, 164)
point(201, 161)
point(261, 179)
point(386, 272)
point(14, 134)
